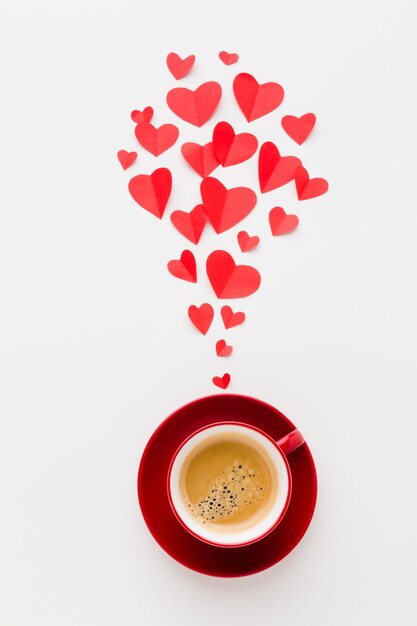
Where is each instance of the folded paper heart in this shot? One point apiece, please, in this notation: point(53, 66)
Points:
point(231, 149)
point(184, 267)
point(256, 100)
point(222, 382)
point(201, 158)
point(179, 67)
point(152, 191)
point(298, 128)
point(142, 116)
point(307, 187)
point(228, 58)
point(191, 224)
point(228, 279)
point(230, 318)
point(245, 242)
point(222, 349)
point(225, 207)
point(156, 140)
point(280, 222)
point(201, 316)
point(195, 107)
point(275, 170)
point(126, 158)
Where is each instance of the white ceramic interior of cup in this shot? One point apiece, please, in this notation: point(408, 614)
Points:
point(248, 535)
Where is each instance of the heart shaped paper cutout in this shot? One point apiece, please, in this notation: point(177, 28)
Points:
point(222, 382)
point(191, 224)
point(298, 128)
point(231, 319)
point(256, 100)
point(231, 149)
point(228, 279)
point(152, 191)
point(126, 158)
point(280, 222)
point(228, 58)
point(247, 243)
point(275, 170)
point(201, 316)
point(201, 158)
point(156, 140)
point(142, 116)
point(195, 107)
point(179, 67)
point(225, 207)
point(307, 187)
point(222, 349)
point(185, 267)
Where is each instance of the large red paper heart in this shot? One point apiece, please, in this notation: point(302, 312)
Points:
point(201, 158)
point(185, 267)
point(228, 58)
point(275, 170)
point(256, 100)
point(179, 67)
point(156, 140)
point(152, 191)
point(280, 222)
point(230, 148)
point(228, 279)
point(195, 107)
point(245, 242)
point(225, 207)
point(126, 158)
point(309, 187)
point(191, 224)
point(222, 349)
point(142, 116)
point(298, 128)
point(222, 382)
point(230, 318)
point(201, 316)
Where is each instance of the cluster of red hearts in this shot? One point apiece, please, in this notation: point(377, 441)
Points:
point(221, 207)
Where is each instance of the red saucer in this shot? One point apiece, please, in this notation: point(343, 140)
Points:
point(168, 532)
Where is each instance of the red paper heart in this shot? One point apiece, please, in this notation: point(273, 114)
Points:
point(156, 140)
point(275, 170)
point(309, 187)
point(179, 67)
point(230, 148)
point(201, 317)
point(126, 158)
point(222, 382)
point(185, 267)
point(222, 349)
point(245, 242)
point(280, 222)
point(195, 107)
point(228, 58)
point(152, 191)
point(201, 158)
point(298, 128)
point(230, 318)
point(225, 207)
point(228, 279)
point(191, 224)
point(142, 116)
point(256, 100)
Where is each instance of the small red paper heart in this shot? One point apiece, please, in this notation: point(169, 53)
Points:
point(142, 116)
point(307, 187)
point(256, 100)
point(225, 207)
point(195, 107)
point(179, 67)
point(156, 140)
point(185, 267)
point(126, 158)
point(245, 242)
point(222, 349)
point(228, 58)
point(231, 319)
point(201, 158)
point(201, 317)
point(152, 191)
point(298, 128)
point(222, 382)
point(275, 170)
point(228, 279)
point(191, 224)
point(280, 222)
point(230, 148)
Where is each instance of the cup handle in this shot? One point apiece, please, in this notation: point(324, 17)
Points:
point(290, 442)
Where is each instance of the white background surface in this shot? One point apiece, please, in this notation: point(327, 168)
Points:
point(95, 346)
